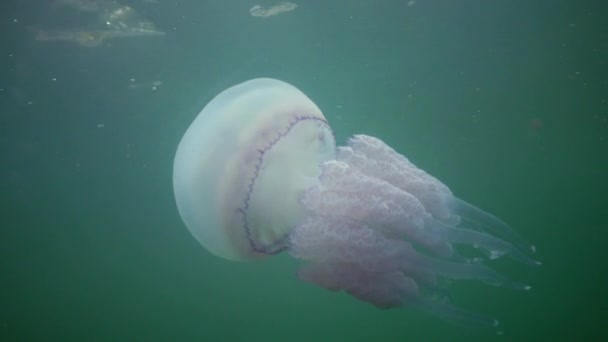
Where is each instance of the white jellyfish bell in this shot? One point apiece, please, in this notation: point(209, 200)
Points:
point(258, 173)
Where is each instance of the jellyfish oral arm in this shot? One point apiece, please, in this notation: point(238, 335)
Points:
point(385, 232)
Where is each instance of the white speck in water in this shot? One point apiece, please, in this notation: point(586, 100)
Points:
point(101, 125)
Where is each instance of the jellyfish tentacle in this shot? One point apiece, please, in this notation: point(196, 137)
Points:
point(485, 221)
point(471, 270)
point(382, 289)
point(371, 156)
point(344, 193)
point(359, 261)
point(493, 246)
point(387, 290)
point(454, 315)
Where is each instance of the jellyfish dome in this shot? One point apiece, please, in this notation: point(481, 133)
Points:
point(258, 173)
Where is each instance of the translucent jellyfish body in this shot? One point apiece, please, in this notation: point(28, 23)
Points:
point(258, 172)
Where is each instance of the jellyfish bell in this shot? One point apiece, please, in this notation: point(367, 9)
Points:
point(258, 172)
point(249, 154)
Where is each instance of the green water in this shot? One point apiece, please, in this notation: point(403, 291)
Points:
point(504, 101)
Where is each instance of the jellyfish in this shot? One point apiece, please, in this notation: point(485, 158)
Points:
point(258, 173)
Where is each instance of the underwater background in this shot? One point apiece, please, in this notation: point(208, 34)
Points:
point(506, 102)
